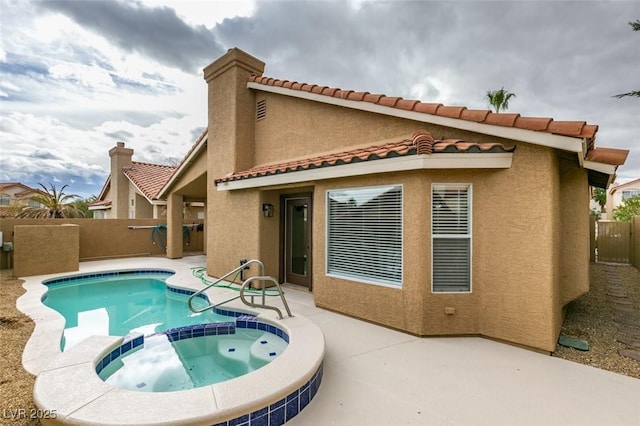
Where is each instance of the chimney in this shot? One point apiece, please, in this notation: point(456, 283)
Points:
point(120, 160)
point(231, 107)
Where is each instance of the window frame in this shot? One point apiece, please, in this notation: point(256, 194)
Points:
point(366, 280)
point(468, 235)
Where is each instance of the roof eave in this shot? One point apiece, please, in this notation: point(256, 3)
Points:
point(186, 163)
point(387, 165)
point(566, 143)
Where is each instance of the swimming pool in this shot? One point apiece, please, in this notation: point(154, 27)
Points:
point(68, 383)
point(121, 303)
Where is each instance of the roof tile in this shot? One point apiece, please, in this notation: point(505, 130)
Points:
point(149, 178)
point(501, 119)
point(566, 128)
point(420, 143)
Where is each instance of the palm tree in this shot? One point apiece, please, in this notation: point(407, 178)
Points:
point(635, 26)
point(54, 203)
point(499, 99)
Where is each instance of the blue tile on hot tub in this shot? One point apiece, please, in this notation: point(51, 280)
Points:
point(292, 409)
point(277, 417)
point(240, 421)
point(278, 404)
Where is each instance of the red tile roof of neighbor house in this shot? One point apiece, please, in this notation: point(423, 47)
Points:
point(149, 178)
point(566, 128)
point(420, 143)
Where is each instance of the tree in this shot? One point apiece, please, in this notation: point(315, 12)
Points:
point(55, 204)
point(600, 197)
point(83, 205)
point(629, 208)
point(635, 26)
point(499, 99)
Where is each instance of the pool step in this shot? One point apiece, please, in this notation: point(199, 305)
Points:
point(267, 348)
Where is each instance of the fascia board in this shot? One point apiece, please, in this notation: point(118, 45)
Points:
point(600, 167)
point(564, 143)
point(398, 164)
point(180, 171)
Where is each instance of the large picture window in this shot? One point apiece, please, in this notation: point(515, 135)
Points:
point(364, 234)
point(451, 238)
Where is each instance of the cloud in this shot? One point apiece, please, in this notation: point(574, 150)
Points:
point(156, 32)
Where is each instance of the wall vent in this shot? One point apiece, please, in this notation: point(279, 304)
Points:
point(261, 109)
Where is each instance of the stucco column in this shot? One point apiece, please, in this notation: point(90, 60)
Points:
point(174, 226)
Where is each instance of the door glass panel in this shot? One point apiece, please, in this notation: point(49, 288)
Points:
point(299, 239)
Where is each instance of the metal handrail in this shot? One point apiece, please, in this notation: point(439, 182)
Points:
point(228, 274)
point(264, 304)
point(241, 295)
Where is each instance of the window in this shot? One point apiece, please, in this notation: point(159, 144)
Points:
point(33, 203)
point(364, 234)
point(451, 238)
point(630, 193)
point(5, 200)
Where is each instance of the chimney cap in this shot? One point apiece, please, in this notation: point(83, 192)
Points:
point(120, 144)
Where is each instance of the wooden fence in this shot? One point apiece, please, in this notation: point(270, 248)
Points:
point(616, 242)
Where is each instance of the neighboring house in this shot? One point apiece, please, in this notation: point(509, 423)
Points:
point(620, 192)
point(131, 188)
point(14, 196)
point(430, 219)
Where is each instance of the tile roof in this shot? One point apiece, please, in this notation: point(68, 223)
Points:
point(420, 143)
point(149, 178)
point(542, 124)
point(612, 156)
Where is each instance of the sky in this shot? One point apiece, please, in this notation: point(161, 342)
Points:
point(78, 76)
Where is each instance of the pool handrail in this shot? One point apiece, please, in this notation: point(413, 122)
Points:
point(264, 304)
point(242, 288)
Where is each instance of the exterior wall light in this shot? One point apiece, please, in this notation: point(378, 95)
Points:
point(267, 210)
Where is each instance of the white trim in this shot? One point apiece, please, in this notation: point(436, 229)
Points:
point(387, 165)
point(565, 143)
point(187, 162)
point(94, 208)
point(600, 167)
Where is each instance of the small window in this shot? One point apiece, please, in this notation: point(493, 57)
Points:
point(33, 203)
point(364, 234)
point(132, 202)
point(261, 109)
point(5, 200)
point(451, 238)
point(630, 193)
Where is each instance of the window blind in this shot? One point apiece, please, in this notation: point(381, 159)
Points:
point(451, 237)
point(364, 234)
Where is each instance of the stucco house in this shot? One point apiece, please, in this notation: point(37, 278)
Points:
point(14, 196)
point(426, 218)
point(620, 192)
point(131, 188)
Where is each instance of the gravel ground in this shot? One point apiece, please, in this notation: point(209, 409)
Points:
point(592, 318)
point(16, 385)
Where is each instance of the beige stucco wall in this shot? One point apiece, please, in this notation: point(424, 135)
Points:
point(528, 244)
point(101, 239)
point(45, 249)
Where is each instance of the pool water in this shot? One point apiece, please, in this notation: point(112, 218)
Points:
point(122, 305)
point(163, 365)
